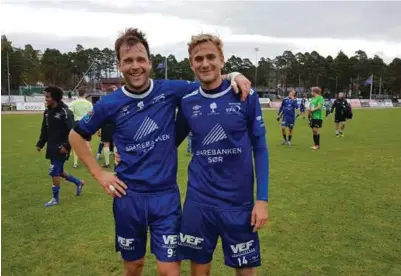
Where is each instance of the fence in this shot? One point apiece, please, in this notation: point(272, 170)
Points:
point(27, 103)
point(37, 103)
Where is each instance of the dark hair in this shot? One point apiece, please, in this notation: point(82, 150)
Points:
point(131, 37)
point(82, 91)
point(55, 92)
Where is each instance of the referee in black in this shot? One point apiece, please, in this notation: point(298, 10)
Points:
point(342, 109)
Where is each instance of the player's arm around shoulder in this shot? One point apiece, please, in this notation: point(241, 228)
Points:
point(238, 81)
point(181, 88)
point(240, 84)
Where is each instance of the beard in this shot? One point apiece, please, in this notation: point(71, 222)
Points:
point(137, 81)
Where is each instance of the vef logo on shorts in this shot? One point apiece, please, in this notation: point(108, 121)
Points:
point(242, 248)
point(51, 168)
point(170, 240)
point(125, 243)
point(190, 241)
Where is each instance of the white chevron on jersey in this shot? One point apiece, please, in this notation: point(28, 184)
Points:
point(147, 127)
point(216, 134)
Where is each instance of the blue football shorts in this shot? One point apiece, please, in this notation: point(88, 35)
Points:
point(202, 226)
point(135, 212)
point(288, 123)
point(56, 167)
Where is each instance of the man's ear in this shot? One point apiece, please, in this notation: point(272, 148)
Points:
point(190, 65)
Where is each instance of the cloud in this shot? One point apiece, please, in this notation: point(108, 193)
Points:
point(274, 27)
point(340, 19)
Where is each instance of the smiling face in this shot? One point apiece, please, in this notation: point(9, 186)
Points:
point(135, 66)
point(207, 61)
point(49, 100)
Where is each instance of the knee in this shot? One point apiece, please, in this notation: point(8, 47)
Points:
point(245, 272)
point(200, 269)
point(134, 267)
point(169, 269)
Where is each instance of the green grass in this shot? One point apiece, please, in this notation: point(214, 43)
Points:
point(336, 211)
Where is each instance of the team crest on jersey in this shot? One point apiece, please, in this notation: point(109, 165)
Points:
point(141, 105)
point(88, 116)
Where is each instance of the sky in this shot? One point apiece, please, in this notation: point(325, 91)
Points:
point(272, 27)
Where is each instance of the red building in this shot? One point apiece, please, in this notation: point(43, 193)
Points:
point(106, 83)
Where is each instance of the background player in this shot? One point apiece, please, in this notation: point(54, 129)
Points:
point(106, 139)
point(287, 109)
point(80, 107)
point(327, 107)
point(316, 115)
point(342, 108)
point(57, 122)
point(220, 176)
point(143, 112)
point(302, 107)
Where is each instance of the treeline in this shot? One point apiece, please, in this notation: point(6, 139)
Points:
point(29, 66)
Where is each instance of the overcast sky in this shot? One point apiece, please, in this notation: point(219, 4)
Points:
point(274, 27)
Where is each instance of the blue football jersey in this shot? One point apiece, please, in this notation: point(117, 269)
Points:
point(144, 132)
point(221, 170)
point(288, 107)
point(303, 103)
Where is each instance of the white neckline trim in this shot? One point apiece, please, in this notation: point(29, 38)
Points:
point(213, 96)
point(138, 96)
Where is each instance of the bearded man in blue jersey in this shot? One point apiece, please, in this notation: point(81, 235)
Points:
point(226, 134)
point(144, 187)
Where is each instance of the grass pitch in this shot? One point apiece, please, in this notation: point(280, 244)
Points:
point(332, 212)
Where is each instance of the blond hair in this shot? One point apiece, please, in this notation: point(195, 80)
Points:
point(202, 38)
point(317, 90)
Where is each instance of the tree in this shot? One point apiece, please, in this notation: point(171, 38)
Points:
point(340, 73)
